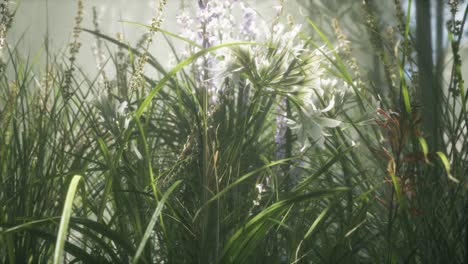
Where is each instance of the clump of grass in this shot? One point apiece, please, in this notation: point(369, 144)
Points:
point(260, 145)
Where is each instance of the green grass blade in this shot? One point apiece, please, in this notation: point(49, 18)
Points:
point(443, 158)
point(177, 68)
point(27, 225)
point(152, 61)
point(404, 87)
point(67, 210)
point(238, 181)
point(165, 32)
point(316, 222)
point(153, 221)
point(424, 148)
point(244, 241)
point(397, 187)
point(404, 91)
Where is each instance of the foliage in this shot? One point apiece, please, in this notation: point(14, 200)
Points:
point(262, 144)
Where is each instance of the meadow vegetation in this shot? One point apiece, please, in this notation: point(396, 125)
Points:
point(263, 142)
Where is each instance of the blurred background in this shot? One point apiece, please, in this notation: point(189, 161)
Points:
point(53, 20)
point(36, 19)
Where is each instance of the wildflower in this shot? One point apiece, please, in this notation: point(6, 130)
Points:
point(184, 20)
point(73, 51)
point(99, 54)
point(291, 69)
point(214, 25)
point(278, 8)
point(122, 107)
point(260, 188)
point(155, 24)
point(248, 29)
point(311, 124)
point(136, 151)
point(113, 115)
point(6, 19)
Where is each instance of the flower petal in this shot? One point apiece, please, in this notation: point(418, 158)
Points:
point(327, 122)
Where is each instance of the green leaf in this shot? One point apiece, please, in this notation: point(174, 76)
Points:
point(177, 68)
point(63, 228)
point(165, 32)
point(404, 91)
point(404, 87)
point(446, 164)
point(424, 148)
point(153, 221)
point(244, 241)
point(397, 187)
point(240, 180)
point(27, 225)
point(316, 222)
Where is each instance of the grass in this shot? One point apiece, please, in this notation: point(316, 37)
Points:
point(290, 154)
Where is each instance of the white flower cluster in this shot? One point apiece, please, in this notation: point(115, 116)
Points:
point(260, 190)
point(248, 28)
point(296, 71)
point(215, 24)
point(113, 115)
point(283, 64)
point(318, 87)
point(310, 122)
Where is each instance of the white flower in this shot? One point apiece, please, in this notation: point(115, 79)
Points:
point(248, 29)
point(122, 107)
point(113, 115)
point(311, 123)
point(260, 187)
point(136, 151)
point(278, 8)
